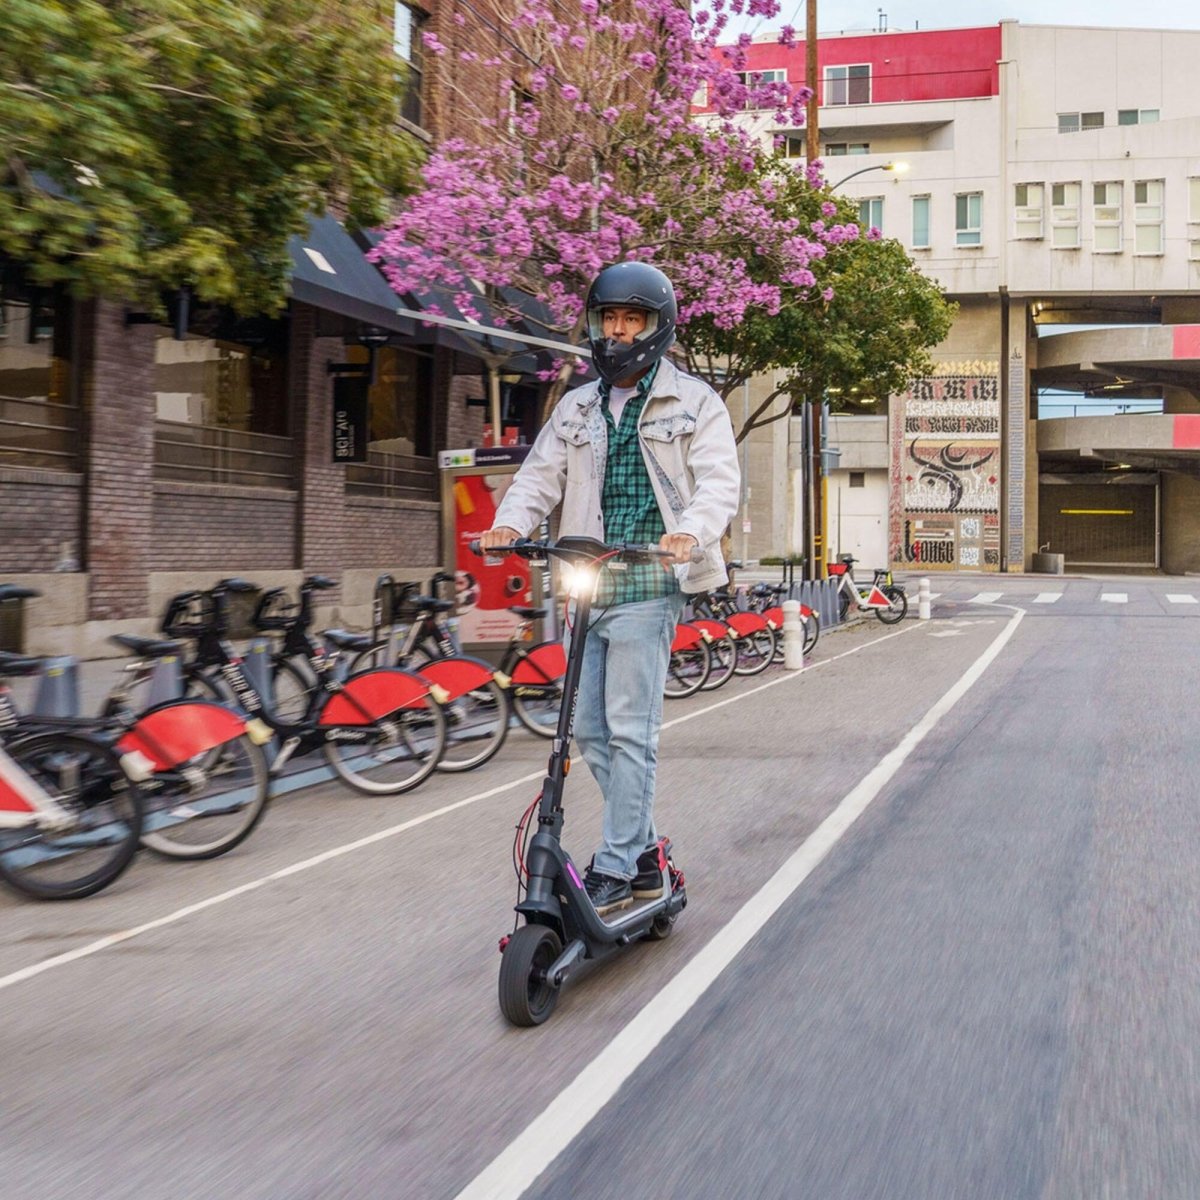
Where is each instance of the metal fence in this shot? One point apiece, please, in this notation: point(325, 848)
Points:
point(394, 476)
point(38, 433)
point(206, 454)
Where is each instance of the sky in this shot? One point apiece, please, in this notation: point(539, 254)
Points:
point(834, 16)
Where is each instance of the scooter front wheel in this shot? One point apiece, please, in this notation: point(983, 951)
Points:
point(527, 997)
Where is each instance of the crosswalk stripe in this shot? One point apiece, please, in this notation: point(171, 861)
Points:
point(1182, 599)
point(1115, 597)
point(985, 598)
point(1047, 597)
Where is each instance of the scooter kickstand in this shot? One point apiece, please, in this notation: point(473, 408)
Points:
point(576, 951)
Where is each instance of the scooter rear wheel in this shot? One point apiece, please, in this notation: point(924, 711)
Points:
point(526, 996)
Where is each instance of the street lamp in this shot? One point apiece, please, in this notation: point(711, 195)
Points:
point(897, 168)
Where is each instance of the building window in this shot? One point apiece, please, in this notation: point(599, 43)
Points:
point(837, 149)
point(407, 24)
point(1030, 199)
point(848, 85)
point(870, 213)
point(795, 147)
point(1106, 218)
point(1137, 116)
point(1194, 220)
point(920, 222)
point(968, 219)
point(1148, 216)
point(1064, 216)
point(756, 79)
point(858, 479)
point(1074, 122)
point(39, 417)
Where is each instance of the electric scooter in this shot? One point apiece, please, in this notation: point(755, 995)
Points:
point(562, 929)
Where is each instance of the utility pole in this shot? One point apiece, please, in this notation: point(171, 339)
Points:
point(813, 139)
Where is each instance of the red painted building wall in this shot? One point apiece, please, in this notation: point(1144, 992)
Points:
point(937, 64)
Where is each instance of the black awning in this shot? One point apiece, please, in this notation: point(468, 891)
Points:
point(329, 272)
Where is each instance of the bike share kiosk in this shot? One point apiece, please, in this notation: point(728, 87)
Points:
point(473, 484)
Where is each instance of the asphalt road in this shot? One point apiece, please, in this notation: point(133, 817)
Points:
point(988, 987)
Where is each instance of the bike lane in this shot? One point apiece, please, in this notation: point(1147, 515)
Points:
point(335, 1032)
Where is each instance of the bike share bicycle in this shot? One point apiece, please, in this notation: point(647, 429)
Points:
point(380, 729)
point(887, 600)
point(562, 928)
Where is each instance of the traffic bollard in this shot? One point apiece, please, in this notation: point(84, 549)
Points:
point(923, 599)
point(793, 636)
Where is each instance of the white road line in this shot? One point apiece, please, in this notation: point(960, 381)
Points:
point(125, 935)
point(1181, 599)
point(1115, 597)
point(985, 598)
point(1047, 597)
point(517, 1167)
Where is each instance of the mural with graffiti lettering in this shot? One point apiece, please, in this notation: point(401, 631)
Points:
point(944, 436)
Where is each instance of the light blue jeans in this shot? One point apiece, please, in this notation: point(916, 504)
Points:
point(617, 719)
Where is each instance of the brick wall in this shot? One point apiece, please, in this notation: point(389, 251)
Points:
point(39, 515)
point(222, 528)
point(380, 533)
point(117, 377)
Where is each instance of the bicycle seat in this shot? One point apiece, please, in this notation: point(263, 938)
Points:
point(527, 614)
point(18, 664)
point(14, 591)
point(146, 647)
point(319, 583)
point(348, 641)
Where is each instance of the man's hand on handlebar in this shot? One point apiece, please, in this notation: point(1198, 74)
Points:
point(679, 546)
point(500, 536)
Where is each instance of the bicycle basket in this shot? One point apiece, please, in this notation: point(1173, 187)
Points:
point(188, 615)
point(398, 602)
point(238, 610)
point(274, 612)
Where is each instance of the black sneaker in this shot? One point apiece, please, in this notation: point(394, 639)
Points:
point(607, 893)
point(648, 883)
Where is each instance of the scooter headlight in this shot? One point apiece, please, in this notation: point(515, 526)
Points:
point(577, 579)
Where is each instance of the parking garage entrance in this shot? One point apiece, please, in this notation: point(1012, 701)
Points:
point(1100, 522)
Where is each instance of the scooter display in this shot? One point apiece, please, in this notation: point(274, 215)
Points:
point(561, 929)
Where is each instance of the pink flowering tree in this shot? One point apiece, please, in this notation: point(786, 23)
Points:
point(601, 131)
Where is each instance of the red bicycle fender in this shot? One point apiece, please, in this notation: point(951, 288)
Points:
point(774, 616)
point(173, 733)
point(714, 629)
point(15, 807)
point(456, 676)
point(746, 623)
point(687, 637)
point(545, 663)
point(369, 695)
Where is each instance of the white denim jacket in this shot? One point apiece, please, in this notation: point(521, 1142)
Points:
point(687, 442)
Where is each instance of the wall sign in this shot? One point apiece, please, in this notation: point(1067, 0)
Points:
point(350, 420)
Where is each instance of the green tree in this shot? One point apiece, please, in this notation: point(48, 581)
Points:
point(864, 329)
point(147, 144)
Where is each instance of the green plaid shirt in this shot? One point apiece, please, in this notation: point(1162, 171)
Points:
point(630, 509)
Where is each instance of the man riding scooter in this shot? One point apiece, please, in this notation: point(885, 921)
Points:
point(645, 455)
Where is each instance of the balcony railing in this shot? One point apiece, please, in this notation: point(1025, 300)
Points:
point(38, 433)
point(394, 476)
point(206, 454)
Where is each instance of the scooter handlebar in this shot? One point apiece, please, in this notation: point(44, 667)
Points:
point(529, 548)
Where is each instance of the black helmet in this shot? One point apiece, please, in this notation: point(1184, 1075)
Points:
point(630, 285)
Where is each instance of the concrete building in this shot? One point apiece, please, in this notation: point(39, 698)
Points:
point(1052, 184)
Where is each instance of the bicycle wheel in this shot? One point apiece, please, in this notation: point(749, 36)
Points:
point(812, 631)
point(723, 654)
point(536, 688)
point(372, 656)
point(476, 726)
point(392, 754)
point(293, 689)
point(85, 777)
point(898, 607)
point(687, 671)
point(209, 805)
point(755, 652)
point(843, 606)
